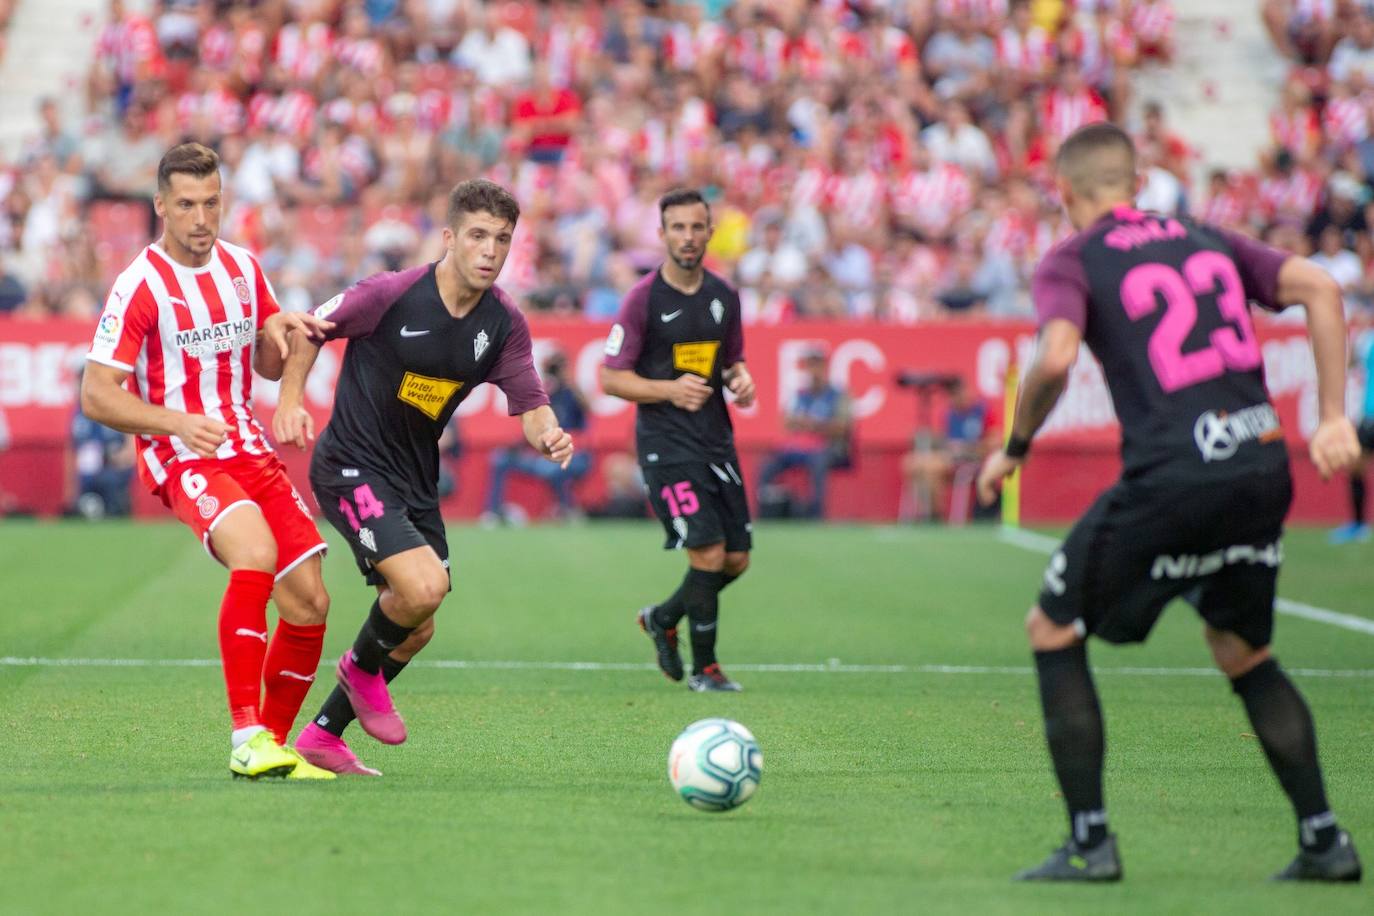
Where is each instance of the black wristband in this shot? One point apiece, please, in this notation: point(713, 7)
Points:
point(1017, 446)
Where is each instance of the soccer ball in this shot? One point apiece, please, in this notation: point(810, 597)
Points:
point(715, 764)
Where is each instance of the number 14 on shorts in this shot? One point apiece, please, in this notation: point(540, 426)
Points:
point(368, 506)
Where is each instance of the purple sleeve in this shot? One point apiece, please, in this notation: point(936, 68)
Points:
point(626, 340)
point(1259, 266)
point(1059, 289)
point(357, 310)
point(514, 371)
point(732, 348)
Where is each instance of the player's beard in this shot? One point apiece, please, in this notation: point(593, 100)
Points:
point(688, 263)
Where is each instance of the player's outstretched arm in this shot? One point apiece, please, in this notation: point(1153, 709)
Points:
point(292, 422)
point(270, 354)
point(104, 399)
point(1334, 446)
point(686, 391)
point(1045, 381)
point(546, 436)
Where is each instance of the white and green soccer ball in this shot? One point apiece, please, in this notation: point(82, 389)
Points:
point(715, 764)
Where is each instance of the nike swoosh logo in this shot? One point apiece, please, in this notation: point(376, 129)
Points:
point(670, 316)
point(406, 332)
point(703, 627)
point(244, 631)
point(243, 760)
point(308, 678)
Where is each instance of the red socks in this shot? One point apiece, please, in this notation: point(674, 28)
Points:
point(243, 641)
point(288, 674)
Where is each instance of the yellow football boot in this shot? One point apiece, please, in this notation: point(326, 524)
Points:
point(260, 756)
point(305, 769)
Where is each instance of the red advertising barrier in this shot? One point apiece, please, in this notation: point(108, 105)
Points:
point(1075, 455)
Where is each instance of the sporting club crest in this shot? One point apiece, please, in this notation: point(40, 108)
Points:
point(717, 310)
point(480, 344)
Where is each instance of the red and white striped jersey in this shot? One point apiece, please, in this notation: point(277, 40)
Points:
point(303, 50)
point(983, 13)
point(1064, 113)
point(216, 112)
point(187, 337)
point(1346, 120)
point(1296, 131)
point(1029, 55)
point(1153, 23)
point(933, 199)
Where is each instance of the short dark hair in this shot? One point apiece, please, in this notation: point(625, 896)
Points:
point(679, 197)
point(478, 195)
point(186, 159)
point(1098, 156)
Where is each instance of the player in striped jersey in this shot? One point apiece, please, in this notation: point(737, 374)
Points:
point(172, 361)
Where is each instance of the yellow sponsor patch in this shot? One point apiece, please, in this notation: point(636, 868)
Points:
point(428, 394)
point(698, 358)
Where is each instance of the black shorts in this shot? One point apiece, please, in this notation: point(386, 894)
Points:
point(1365, 432)
point(700, 505)
point(373, 518)
point(1144, 543)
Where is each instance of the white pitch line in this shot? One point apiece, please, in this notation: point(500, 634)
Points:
point(831, 667)
point(1039, 543)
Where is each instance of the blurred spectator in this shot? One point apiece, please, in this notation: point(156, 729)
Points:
point(12, 292)
point(544, 119)
point(570, 407)
point(103, 463)
point(957, 140)
point(1340, 262)
point(624, 482)
point(498, 54)
point(967, 438)
point(819, 427)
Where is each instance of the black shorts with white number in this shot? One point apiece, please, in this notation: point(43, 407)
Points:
point(373, 518)
point(701, 504)
point(1144, 543)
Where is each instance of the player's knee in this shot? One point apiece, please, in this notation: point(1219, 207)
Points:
point(710, 558)
point(426, 592)
point(1233, 655)
point(1047, 636)
point(314, 608)
point(736, 564)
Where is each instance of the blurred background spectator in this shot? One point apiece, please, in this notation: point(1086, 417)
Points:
point(819, 429)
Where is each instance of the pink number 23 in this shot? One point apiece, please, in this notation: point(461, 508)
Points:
point(1232, 346)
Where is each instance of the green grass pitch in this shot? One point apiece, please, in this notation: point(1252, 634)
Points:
point(538, 789)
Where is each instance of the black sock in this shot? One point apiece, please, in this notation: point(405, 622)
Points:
point(726, 578)
point(671, 610)
point(1357, 496)
point(336, 713)
point(700, 591)
point(1280, 718)
point(378, 635)
point(1073, 730)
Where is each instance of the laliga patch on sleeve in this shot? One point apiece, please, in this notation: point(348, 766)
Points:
point(327, 309)
point(107, 331)
point(615, 340)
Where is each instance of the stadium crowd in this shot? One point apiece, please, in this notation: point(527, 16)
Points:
point(866, 158)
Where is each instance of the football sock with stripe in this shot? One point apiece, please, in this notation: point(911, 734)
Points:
point(1281, 719)
point(1074, 732)
point(288, 673)
point(243, 641)
point(377, 637)
point(701, 590)
point(336, 713)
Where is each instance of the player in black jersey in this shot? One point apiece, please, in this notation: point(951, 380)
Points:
point(1198, 512)
point(419, 341)
point(678, 342)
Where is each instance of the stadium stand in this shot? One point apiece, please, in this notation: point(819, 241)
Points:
point(881, 160)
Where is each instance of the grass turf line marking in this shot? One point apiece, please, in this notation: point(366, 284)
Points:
point(1039, 543)
point(831, 667)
